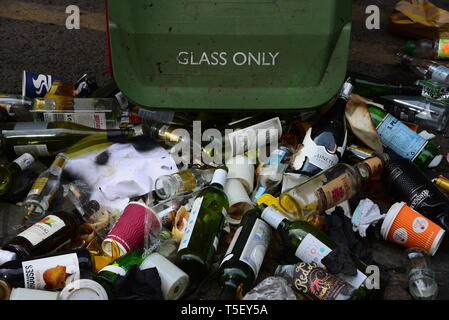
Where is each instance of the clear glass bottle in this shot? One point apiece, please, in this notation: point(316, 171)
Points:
point(427, 69)
point(422, 284)
point(44, 189)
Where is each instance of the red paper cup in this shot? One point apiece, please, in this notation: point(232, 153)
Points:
point(129, 231)
point(408, 228)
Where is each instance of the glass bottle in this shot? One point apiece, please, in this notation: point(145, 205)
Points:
point(328, 189)
point(426, 69)
point(427, 113)
point(169, 186)
point(49, 139)
point(244, 257)
point(303, 241)
point(428, 49)
point(368, 87)
point(325, 142)
point(200, 239)
point(400, 138)
point(422, 284)
point(9, 172)
point(45, 188)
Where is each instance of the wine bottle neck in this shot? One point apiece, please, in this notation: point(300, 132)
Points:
point(228, 291)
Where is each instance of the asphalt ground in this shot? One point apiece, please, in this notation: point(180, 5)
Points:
point(33, 37)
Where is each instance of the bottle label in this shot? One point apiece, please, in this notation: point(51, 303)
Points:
point(24, 161)
point(276, 158)
point(40, 150)
point(374, 165)
point(443, 49)
point(191, 223)
point(92, 120)
point(397, 136)
point(38, 186)
point(334, 192)
point(114, 269)
point(43, 229)
point(247, 139)
point(272, 217)
point(440, 74)
point(254, 251)
point(51, 273)
point(220, 177)
point(317, 155)
point(312, 250)
point(315, 283)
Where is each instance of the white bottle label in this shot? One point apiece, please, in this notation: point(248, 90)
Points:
point(219, 177)
point(42, 229)
point(247, 139)
point(254, 251)
point(272, 217)
point(92, 120)
point(24, 161)
point(37, 149)
point(191, 223)
point(312, 250)
point(51, 273)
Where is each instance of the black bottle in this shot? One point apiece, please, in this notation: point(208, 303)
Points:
point(407, 183)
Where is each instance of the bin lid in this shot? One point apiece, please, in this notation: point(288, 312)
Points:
point(229, 55)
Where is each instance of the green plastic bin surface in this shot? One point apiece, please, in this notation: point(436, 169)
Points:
point(229, 55)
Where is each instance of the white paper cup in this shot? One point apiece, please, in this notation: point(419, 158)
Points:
point(242, 168)
point(239, 201)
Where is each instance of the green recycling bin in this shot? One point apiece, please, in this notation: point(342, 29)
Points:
point(240, 55)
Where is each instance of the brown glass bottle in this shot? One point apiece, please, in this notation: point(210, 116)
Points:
point(46, 235)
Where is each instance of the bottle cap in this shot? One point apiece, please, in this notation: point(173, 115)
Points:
point(242, 168)
point(436, 161)
point(239, 201)
point(84, 289)
point(6, 256)
point(174, 281)
point(220, 176)
point(410, 47)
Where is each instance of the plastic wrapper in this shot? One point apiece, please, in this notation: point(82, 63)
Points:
point(272, 288)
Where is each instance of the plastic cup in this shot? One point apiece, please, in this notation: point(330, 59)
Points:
point(408, 228)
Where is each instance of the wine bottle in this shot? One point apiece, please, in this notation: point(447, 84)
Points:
point(316, 283)
point(325, 142)
point(200, 240)
point(404, 141)
point(409, 184)
point(368, 87)
point(9, 172)
point(243, 259)
point(46, 235)
point(426, 69)
point(429, 114)
point(49, 139)
point(49, 272)
point(428, 49)
point(328, 189)
point(109, 275)
point(303, 241)
point(169, 186)
point(44, 189)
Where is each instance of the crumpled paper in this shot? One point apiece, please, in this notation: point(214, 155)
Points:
point(128, 173)
point(420, 19)
point(366, 214)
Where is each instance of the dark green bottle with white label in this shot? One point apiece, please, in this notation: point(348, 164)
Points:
point(200, 241)
point(243, 259)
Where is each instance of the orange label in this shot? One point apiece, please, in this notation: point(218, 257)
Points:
point(334, 192)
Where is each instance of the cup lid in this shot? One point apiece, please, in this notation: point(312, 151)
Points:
point(389, 219)
point(83, 289)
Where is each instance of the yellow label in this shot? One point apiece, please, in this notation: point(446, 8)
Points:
point(38, 186)
point(60, 162)
point(269, 200)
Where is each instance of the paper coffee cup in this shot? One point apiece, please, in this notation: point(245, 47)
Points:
point(83, 289)
point(129, 230)
point(239, 201)
point(408, 228)
point(242, 168)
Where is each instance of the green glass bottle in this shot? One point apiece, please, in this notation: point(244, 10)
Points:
point(402, 140)
point(48, 139)
point(109, 275)
point(201, 237)
point(303, 241)
point(8, 172)
point(243, 259)
point(368, 87)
